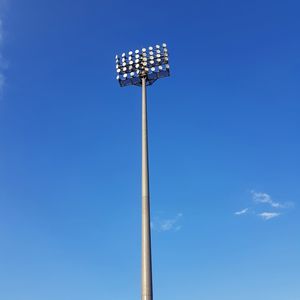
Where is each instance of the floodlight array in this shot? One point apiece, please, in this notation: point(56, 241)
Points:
point(151, 64)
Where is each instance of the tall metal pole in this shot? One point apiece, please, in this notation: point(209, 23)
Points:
point(141, 68)
point(146, 233)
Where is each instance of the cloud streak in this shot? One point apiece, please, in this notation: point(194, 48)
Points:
point(264, 206)
point(241, 212)
point(268, 215)
point(265, 198)
point(165, 225)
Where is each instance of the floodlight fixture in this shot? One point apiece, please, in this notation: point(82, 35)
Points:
point(142, 68)
point(143, 61)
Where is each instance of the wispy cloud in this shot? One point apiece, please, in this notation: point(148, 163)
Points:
point(268, 215)
point(241, 212)
point(261, 200)
point(167, 224)
point(265, 198)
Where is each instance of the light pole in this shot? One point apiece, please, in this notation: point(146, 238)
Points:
point(143, 68)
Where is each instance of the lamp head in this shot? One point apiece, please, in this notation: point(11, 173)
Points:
point(151, 64)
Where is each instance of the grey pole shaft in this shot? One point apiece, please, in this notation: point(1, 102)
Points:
point(146, 233)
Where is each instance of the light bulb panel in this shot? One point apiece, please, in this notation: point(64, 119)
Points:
point(151, 63)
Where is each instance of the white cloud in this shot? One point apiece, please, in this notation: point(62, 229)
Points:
point(164, 225)
point(268, 215)
point(241, 212)
point(262, 200)
point(265, 198)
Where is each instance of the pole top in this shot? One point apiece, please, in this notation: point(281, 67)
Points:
point(151, 63)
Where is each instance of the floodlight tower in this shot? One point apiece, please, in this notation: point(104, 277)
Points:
point(142, 68)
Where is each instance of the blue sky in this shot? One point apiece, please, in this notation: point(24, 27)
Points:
point(224, 150)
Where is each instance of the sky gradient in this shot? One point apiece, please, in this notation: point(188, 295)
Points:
point(224, 150)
